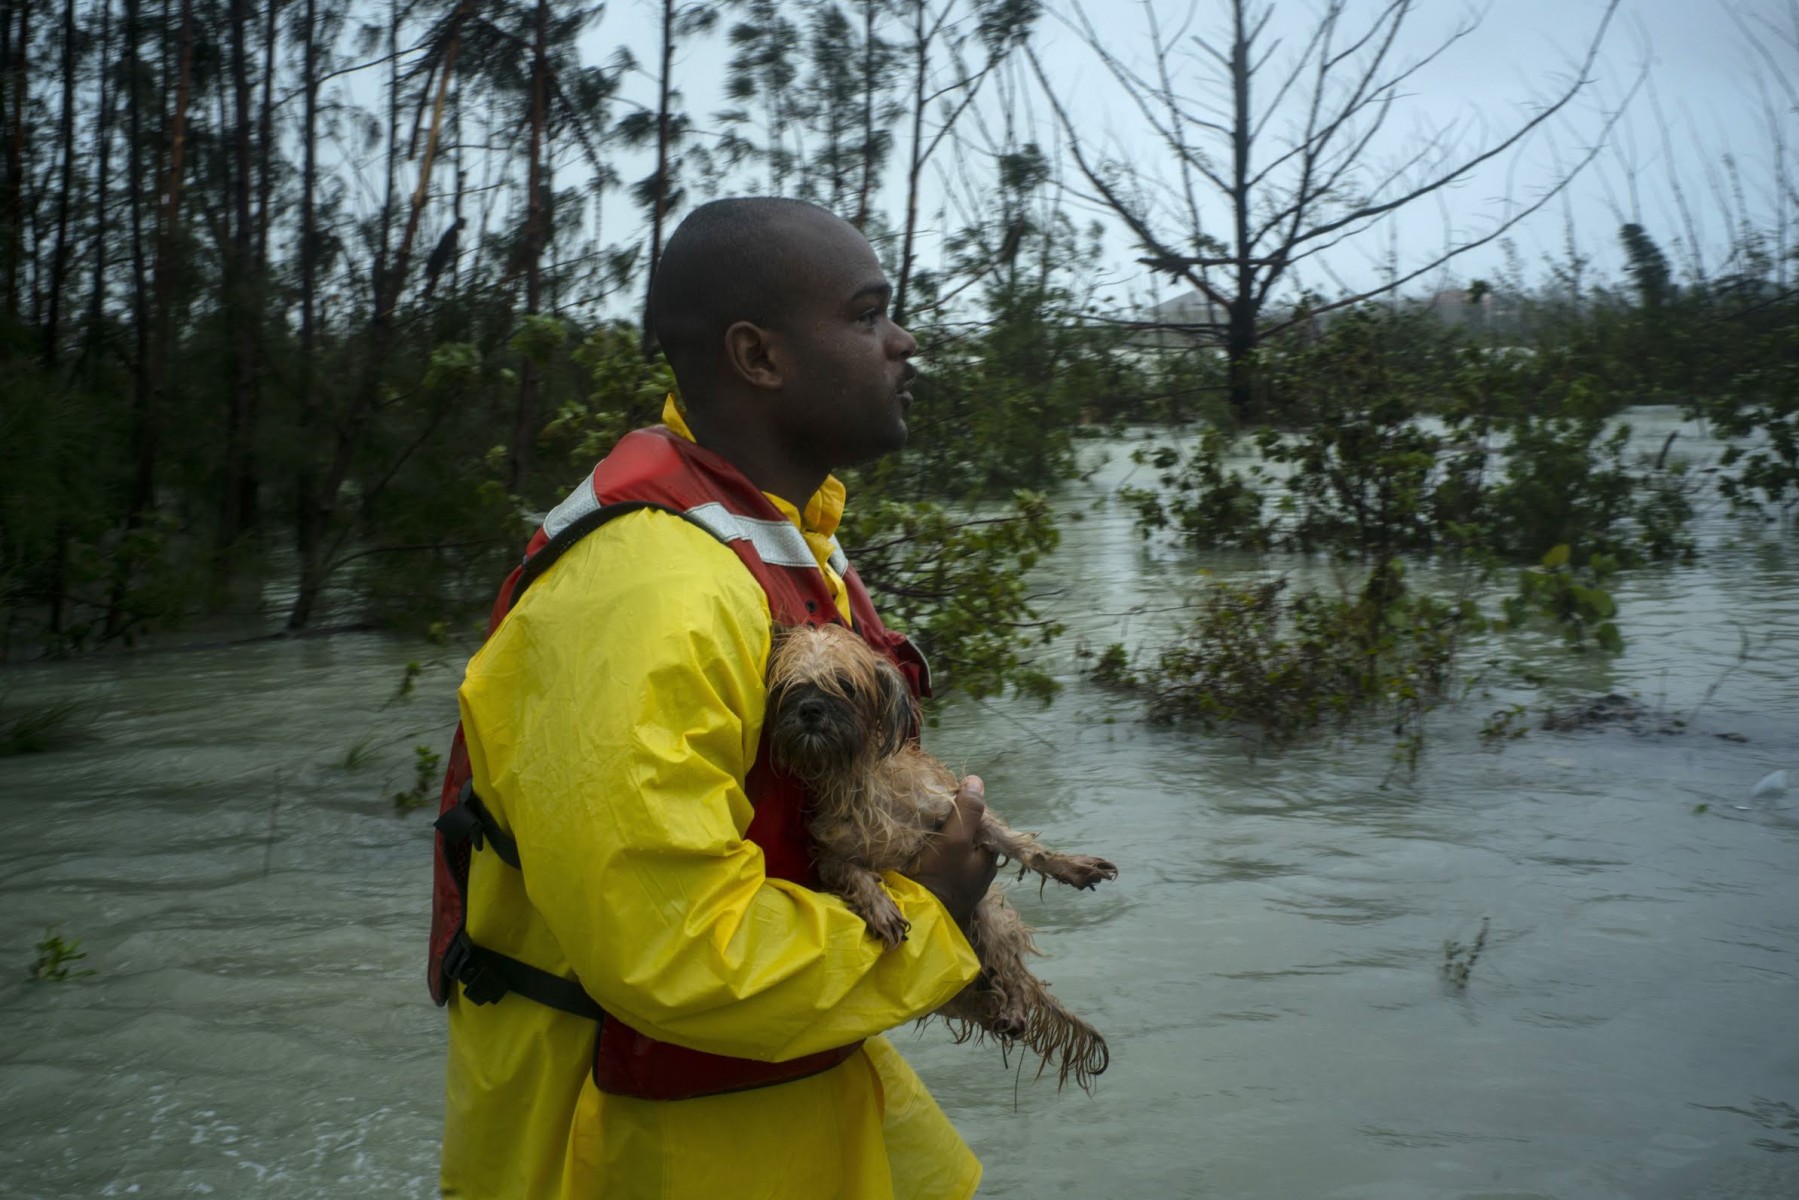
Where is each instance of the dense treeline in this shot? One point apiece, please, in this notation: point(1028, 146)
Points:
point(306, 306)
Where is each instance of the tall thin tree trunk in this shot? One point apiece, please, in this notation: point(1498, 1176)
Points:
point(659, 209)
point(307, 533)
point(59, 265)
point(59, 257)
point(135, 205)
point(391, 192)
point(1240, 336)
point(524, 422)
point(96, 312)
point(461, 186)
point(237, 502)
point(265, 141)
point(58, 587)
point(9, 219)
point(162, 298)
point(868, 113)
point(915, 172)
point(14, 249)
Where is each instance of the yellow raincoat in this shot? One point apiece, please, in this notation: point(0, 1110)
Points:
point(611, 721)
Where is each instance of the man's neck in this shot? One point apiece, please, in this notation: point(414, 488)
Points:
point(752, 451)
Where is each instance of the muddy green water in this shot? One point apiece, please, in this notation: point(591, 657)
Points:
point(1267, 967)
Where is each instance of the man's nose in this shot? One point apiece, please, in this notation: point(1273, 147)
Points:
point(907, 345)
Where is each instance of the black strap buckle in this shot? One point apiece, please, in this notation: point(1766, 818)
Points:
point(467, 822)
point(458, 825)
point(480, 982)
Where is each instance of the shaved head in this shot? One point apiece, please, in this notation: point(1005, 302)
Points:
point(730, 260)
point(774, 316)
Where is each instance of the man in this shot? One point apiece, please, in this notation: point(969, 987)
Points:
point(635, 843)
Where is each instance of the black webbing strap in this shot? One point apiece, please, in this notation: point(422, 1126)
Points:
point(487, 976)
point(468, 821)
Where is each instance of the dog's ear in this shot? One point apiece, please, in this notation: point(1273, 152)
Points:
point(778, 637)
point(898, 710)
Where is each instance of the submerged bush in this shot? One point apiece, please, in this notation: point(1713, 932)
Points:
point(1277, 667)
point(1567, 481)
point(1410, 444)
point(1401, 439)
point(1112, 670)
point(1371, 486)
point(1210, 506)
point(1569, 598)
point(34, 730)
point(1762, 402)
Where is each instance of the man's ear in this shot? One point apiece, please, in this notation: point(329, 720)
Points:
point(755, 355)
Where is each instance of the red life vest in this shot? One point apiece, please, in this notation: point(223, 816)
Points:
point(655, 468)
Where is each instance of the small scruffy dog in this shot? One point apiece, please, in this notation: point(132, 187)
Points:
point(841, 719)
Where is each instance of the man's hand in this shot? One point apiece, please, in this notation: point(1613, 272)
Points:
point(956, 870)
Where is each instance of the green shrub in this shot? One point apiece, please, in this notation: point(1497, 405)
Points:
point(1207, 504)
point(1277, 668)
point(1569, 598)
point(1112, 670)
point(957, 585)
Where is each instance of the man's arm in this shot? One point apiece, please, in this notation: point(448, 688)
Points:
point(614, 716)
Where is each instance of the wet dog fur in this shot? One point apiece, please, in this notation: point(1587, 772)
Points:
point(842, 719)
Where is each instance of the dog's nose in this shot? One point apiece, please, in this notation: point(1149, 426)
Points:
point(812, 711)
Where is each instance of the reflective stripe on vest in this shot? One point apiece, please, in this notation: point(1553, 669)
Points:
point(777, 543)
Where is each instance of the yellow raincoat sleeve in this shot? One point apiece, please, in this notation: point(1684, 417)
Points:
point(612, 720)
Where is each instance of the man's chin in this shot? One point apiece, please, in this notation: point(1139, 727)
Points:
point(891, 442)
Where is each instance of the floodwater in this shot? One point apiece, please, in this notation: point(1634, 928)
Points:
point(1267, 968)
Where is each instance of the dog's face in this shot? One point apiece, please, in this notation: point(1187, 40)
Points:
point(834, 705)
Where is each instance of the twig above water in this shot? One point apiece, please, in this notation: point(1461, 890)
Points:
point(268, 847)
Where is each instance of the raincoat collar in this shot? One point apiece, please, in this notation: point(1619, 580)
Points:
point(823, 511)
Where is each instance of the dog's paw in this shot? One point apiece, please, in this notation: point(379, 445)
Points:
point(1012, 1021)
point(1082, 870)
point(886, 923)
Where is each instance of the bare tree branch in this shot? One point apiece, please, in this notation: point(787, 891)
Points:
point(1293, 196)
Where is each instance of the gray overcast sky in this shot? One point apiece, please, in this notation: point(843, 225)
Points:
point(1701, 66)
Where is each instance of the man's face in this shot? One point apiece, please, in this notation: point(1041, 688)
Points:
point(845, 398)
